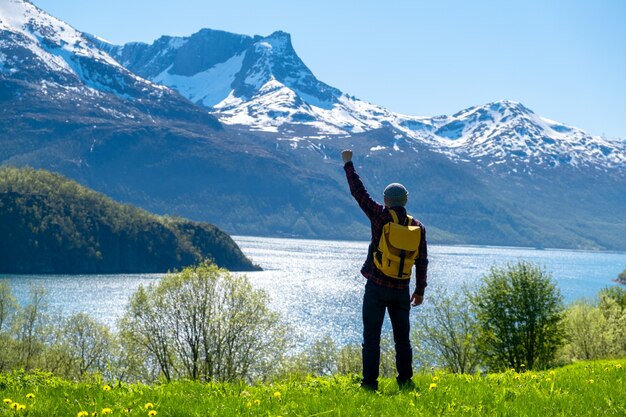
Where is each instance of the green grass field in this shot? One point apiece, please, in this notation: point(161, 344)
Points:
point(583, 389)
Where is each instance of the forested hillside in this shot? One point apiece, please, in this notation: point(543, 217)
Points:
point(50, 224)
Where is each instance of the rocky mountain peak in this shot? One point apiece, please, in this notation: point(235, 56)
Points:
point(49, 64)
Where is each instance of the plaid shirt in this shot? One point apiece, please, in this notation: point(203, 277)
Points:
point(379, 216)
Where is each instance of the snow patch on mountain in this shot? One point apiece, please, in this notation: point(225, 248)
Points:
point(47, 35)
point(507, 131)
point(40, 45)
point(207, 88)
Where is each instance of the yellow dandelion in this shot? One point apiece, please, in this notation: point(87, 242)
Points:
point(82, 414)
point(432, 386)
point(552, 373)
point(249, 404)
point(618, 366)
point(257, 402)
point(107, 411)
point(7, 401)
point(148, 406)
point(21, 407)
point(548, 379)
point(106, 388)
point(591, 381)
point(152, 413)
point(435, 379)
point(277, 394)
point(606, 369)
point(14, 406)
point(30, 395)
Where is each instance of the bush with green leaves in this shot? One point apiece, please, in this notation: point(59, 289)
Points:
point(204, 323)
point(518, 310)
point(612, 304)
point(445, 334)
point(586, 330)
point(615, 293)
point(324, 358)
point(84, 347)
point(596, 329)
point(8, 311)
point(32, 330)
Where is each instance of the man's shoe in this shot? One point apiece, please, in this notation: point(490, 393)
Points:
point(369, 387)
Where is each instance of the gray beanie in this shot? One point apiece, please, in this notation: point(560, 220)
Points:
point(395, 194)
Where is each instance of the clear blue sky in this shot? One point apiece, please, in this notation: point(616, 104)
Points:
point(566, 60)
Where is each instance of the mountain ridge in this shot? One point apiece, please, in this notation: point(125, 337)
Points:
point(270, 166)
point(269, 88)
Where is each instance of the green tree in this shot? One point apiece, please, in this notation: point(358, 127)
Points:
point(586, 332)
point(519, 311)
point(32, 330)
point(447, 336)
point(205, 323)
point(8, 311)
point(86, 344)
point(321, 357)
point(8, 306)
point(618, 294)
point(142, 331)
point(612, 305)
point(349, 359)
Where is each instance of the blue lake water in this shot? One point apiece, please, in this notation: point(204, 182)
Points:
point(316, 285)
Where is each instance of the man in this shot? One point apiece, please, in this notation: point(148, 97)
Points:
point(383, 292)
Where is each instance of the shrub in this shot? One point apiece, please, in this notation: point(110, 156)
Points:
point(612, 305)
point(85, 345)
point(446, 337)
point(519, 311)
point(8, 311)
point(617, 294)
point(586, 333)
point(204, 323)
point(32, 330)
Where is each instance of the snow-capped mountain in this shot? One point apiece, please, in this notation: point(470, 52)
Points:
point(131, 121)
point(507, 132)
point(258, 82)
point(261, 83)
point(44, 59)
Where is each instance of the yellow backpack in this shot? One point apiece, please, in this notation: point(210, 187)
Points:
point(398, 247)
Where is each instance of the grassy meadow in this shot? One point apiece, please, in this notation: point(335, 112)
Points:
point(582, 389)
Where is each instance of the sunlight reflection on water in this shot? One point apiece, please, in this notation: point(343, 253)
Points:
point(317, 287)
point(316, 284)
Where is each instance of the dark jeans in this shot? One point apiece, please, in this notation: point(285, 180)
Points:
point(398, 304)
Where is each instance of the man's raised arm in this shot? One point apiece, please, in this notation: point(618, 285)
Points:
point(370, 207)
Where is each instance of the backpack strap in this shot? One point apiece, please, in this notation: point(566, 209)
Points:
point(394, 216)
point(395, 219)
